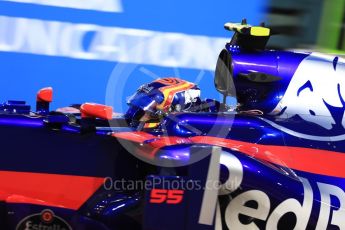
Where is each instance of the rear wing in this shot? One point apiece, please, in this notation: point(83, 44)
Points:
point(249, 37)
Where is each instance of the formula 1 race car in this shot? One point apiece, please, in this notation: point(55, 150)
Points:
point(177, 161)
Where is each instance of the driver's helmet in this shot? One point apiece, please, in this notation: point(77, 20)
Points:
point(163, 96)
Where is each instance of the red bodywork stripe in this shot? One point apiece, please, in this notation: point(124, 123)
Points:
point(138, 137)
point(310, 160)
point(65, 191)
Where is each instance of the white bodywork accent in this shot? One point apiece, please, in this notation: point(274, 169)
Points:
point(191, 95)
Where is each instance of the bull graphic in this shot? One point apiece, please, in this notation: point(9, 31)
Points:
point(316, 92)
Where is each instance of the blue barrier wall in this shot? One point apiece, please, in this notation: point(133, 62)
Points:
point(102, 50)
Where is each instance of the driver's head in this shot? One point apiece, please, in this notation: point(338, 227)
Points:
point(161, 97)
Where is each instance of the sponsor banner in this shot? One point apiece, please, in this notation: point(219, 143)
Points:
point(283, 201)
point(115, 44)
point(98, 5)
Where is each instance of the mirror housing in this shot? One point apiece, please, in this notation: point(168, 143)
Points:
point(43, 99)
point(223, 79)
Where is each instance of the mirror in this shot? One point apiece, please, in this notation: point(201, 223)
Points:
point(223, 79)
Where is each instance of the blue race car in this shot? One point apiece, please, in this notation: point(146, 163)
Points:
point(177, 161)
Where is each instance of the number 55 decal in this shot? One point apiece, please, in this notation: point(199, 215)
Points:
point(159, 196)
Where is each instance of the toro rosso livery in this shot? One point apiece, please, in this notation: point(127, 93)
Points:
point(175, 160)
